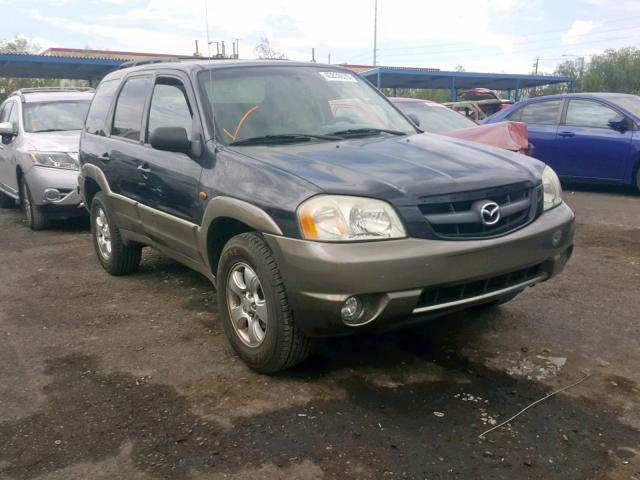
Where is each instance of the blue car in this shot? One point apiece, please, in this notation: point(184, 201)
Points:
point(584, 136)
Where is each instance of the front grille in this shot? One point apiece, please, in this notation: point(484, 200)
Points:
point(457, 216)
point(439, 295)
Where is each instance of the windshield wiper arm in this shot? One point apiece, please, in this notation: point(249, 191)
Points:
point(357, 132)
point(283, 138)
point(54, 130)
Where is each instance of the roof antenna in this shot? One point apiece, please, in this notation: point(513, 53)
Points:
point(209, 90)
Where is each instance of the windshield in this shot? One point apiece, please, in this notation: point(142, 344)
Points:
point(435, 119)
point(255, 102)
point(630, 103)
point(54, 116)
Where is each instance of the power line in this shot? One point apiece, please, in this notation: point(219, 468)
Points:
point(540, 46)
point(543, 33)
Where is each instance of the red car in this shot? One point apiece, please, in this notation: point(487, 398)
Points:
point(436, 118)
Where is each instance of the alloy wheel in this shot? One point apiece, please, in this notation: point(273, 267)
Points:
point(247, 305)
point(103, 234)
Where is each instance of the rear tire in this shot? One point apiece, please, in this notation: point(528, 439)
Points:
point(638, 180)
point(114, 256)
point(6, 201)
point(254, 308)
point(36, 219)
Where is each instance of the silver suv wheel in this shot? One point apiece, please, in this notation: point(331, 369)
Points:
point(103, 235)
point(247, 305)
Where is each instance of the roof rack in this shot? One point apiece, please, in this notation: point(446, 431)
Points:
point(148, 61)
point(22, 91)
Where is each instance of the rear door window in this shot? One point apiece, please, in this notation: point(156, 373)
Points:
point(169, 106)
point(540, 113)
point(586, 113)
point(127, 119)
point(97, 116)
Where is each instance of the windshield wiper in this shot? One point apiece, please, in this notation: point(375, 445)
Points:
point(56, 130)
point(283, 138)
point(365, 132)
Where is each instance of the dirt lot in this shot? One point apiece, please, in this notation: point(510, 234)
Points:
point(132, 378)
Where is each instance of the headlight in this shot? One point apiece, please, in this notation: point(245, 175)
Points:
point(54, 159)
point(552, 188)
point(337, 218)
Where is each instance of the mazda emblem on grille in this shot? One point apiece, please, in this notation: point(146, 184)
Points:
point(490, 213)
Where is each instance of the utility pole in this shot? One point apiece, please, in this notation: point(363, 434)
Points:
point(313, 55)
point(329, 59)
point(535, 65)
point(237, 40)
point(375, 33)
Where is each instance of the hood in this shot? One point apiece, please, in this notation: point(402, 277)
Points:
point(66, 141)
point(399, 170)
point(512, 136)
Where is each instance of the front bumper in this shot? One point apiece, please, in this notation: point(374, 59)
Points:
point(40, 179)
point(391, 276)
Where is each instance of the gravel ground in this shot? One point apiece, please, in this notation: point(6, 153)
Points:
point(132, 378)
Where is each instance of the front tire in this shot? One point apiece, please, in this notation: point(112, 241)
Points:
point(253, 304)
point(36, 219)
point(114, 256)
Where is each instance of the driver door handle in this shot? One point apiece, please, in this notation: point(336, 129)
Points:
point(566, 134)
point(144, 169)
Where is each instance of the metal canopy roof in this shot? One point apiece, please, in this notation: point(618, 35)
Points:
point(44, 66)
point(398, 77)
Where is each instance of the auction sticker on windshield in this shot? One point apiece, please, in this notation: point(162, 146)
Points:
point(337, 77)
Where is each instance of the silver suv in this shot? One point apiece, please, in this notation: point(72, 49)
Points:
point(40, 131)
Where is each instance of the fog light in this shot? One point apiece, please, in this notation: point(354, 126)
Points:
point(51, 194)
point(556, 238)
point(351, 309)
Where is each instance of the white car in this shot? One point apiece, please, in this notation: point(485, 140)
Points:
point(40, 132)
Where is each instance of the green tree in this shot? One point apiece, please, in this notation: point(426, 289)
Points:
point(614, 71)
point(21, 45)
point(10, 84)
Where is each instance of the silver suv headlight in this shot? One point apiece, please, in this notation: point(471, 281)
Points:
point(552, 188)
point(54, 159)
point(338, 218)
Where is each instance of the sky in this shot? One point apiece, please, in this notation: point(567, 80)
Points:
point(479, 35)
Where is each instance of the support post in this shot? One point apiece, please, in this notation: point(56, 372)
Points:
point(454, 91)
point(378, 80)
point(571, 86)
point(517, 90)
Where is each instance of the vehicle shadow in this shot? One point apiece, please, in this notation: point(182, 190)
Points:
point(438, 341)
point(71, 225)
point(600, 188)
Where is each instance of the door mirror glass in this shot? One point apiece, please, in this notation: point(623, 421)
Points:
point(171, 139)
point(6, 129)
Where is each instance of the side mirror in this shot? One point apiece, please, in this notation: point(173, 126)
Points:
point(621, 125)
point(6, 128)
point(171, 139)
point(414, 118)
